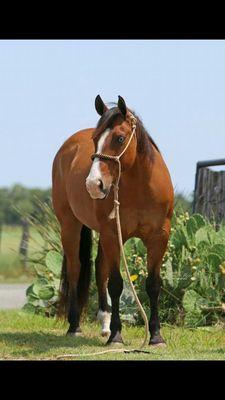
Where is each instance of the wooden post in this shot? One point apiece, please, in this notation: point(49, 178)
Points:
point(209, 194)
point(23, 249)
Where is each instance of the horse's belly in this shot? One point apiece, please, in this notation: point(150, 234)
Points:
point(141, 223)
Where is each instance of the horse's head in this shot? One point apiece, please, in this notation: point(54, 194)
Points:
point(114, 134)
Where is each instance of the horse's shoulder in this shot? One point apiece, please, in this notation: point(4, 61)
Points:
point(68, 149)
point(81, 135)
point(78, 137)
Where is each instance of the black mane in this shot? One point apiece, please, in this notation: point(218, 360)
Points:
point(144, 140)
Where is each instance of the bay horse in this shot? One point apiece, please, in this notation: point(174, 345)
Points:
point(82, 198)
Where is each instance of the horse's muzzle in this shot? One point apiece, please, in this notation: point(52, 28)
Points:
point(96, 189)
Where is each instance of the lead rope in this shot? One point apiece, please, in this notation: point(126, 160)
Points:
point(116, 214)
point(142, 311)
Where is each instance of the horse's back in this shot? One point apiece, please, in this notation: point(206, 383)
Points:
point(161, 185)
point(81, 137)
point(79, 142)
point(161, 179)
point(70, 168)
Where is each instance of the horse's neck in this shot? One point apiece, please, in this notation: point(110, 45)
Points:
point(142, 167)
point(140, 172)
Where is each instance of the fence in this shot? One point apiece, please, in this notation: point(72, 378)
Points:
point(209, 194)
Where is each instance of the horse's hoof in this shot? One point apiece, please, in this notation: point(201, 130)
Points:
point(156, 345)
point(115, 344)
point(115, 339)
point(76, 333)
point(105, 333)
point(157, 341)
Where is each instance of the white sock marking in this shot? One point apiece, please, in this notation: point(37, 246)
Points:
point(105, 318)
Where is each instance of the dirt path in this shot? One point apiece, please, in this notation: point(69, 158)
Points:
point(12, 295)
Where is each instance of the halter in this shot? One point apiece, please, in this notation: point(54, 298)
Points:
point(102, 156)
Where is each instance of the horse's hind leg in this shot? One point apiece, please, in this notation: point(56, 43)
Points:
point(101, 273)
point(156, 247)
point(70, 236)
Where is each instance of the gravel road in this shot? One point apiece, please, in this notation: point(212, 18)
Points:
point(12, 295)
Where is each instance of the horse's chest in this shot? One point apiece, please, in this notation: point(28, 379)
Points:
point(136, 222)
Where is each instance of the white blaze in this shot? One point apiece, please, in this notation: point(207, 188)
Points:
point(95, 172)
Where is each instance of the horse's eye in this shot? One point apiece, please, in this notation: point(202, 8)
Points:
point(121, 139)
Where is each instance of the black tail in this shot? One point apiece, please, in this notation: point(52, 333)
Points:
point(86, 264)
point(84, 279)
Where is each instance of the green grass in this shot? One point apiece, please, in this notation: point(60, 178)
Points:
point(29, 337)
point(11, 268)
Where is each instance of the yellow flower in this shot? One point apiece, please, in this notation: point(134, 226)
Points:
point(134, 277)
point(222, 269)
point(197, 261)
point(186, 216)
point(138, 260)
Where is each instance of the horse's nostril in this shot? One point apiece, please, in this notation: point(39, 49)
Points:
point(100, 184)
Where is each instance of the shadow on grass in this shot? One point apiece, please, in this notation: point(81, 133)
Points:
point(38, 343)
point(215, 351)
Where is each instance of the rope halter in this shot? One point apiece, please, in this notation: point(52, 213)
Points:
point(102, 156)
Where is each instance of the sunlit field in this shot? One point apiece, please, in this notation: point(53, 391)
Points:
point(32, 337)
point(11, 267)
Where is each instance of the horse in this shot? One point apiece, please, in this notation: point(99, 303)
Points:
point(83, 175)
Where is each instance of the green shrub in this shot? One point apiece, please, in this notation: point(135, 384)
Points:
point(193, 273)
point(46, 263)
point(197, 261)
point(42, 295)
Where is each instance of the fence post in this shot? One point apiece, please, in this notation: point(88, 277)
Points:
point(209, 192)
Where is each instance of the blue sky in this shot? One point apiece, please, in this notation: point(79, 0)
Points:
point(47, 92)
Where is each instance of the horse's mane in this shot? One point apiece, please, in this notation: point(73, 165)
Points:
point(144, 140)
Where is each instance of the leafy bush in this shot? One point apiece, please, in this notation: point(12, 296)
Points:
point(193, 270)
point(42, 295)
point(193, 273)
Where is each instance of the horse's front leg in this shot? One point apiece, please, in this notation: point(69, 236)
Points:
point(101, 273)
point(156, 247)
point(111, 255)
point(69, 299)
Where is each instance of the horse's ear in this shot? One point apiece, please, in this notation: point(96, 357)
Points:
point(122, 106)
point(100, 106)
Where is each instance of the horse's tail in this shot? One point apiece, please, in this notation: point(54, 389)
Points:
point(84, 278)
point(86, 264)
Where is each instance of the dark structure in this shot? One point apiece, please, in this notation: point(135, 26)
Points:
point(23, 249)
point(209, 193)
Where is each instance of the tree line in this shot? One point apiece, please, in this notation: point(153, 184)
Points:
point(18, 200)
